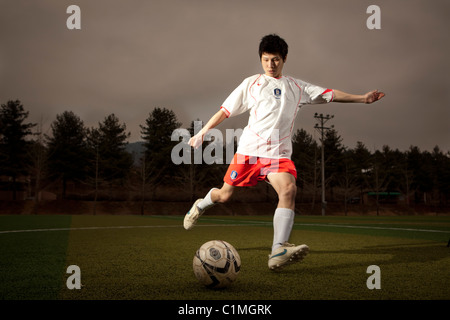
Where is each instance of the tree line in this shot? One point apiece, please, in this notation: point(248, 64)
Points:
point(97, 161)
point(353, 175)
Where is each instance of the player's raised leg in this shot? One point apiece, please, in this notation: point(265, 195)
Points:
point(201, 205)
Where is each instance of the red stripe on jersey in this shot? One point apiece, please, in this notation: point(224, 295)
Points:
point(227, 113)
point(332, 93)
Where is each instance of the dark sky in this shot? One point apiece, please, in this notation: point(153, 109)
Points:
point(132, 56)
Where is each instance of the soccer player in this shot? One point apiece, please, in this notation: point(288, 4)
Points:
point(265, 147)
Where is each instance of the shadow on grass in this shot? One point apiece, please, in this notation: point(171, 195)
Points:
point(399, 253)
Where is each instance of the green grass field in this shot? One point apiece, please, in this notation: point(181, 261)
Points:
point(150, 257)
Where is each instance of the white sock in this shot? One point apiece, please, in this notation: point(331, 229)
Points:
point(206, 203)
point(283, 221)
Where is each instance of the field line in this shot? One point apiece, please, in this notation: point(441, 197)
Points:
point(119, 227)
point(231, 223)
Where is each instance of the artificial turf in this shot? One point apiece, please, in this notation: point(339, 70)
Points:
point(150, 258)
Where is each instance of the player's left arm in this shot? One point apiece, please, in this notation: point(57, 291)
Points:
point(369, 97)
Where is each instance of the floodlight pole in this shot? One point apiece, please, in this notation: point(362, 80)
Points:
point(320, 126)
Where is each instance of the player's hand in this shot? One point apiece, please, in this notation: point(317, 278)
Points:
point(196, 141)
point(372, 96)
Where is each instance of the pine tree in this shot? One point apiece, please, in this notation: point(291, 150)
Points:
point(156, 134)
point(67, 149)
point(13, 143)
point(107, 145)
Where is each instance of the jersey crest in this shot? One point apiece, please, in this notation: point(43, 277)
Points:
point(277, 93)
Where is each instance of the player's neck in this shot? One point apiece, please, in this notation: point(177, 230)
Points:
point(274, 76)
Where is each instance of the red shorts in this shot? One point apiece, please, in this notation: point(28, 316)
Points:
point(248, 171)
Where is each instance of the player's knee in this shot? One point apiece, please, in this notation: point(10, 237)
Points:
point(289, 191)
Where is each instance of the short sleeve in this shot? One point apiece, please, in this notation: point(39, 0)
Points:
point(313, 94)
point(238, 101)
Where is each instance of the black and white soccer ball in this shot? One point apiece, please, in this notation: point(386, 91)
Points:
point(216, 264)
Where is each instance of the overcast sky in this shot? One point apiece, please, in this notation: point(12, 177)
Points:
point(132, 56)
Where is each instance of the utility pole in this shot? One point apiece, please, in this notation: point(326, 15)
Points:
point(320, 126)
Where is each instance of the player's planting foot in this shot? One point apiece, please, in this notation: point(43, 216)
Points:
point(287, 254)
point(190, 219)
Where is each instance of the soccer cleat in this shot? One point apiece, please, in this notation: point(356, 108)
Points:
point(287, 254)
point(190, 219)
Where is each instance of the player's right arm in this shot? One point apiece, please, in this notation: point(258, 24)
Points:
point(235, 104)
point(197, 140)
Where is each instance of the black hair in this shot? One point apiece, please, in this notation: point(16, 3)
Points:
point(273, 44)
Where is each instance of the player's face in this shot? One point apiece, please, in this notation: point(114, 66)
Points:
point(272, 64)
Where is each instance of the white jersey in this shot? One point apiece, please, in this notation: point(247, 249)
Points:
point(273, 104)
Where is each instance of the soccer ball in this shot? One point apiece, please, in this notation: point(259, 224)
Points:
point(216, 264)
